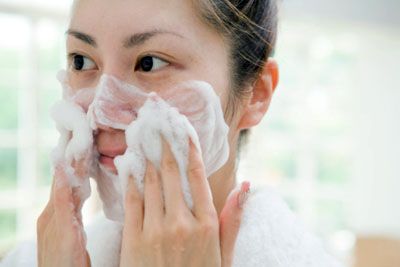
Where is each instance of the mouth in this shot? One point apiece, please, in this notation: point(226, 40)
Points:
point(106, 158)
point(107, 162)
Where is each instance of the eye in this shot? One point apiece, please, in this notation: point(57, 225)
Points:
point(150, 63)
point(80, 63)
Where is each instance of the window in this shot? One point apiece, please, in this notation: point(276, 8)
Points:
point(31, 52)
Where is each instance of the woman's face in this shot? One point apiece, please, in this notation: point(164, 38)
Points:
point(153, 44)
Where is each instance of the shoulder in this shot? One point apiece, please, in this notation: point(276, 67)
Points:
point(271, 235)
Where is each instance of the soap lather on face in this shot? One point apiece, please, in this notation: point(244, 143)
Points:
point(183, 40)
point(190, 110)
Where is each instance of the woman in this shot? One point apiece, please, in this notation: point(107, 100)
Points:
point(157, 44)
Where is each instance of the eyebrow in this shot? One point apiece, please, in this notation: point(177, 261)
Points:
point(86, 38)
point(129, 42)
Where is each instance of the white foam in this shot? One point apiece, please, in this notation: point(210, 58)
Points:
point(189, 110)
point(74, 147)
point(76, 135)
point(155, 119)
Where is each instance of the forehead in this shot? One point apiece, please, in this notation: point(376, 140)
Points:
point(122, 17)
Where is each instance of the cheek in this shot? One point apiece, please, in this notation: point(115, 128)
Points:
point(222, 89)
point(233, 115)
point(225, 104)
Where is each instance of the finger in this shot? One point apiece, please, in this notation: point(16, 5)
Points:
point(153, 201)
point(133, 209)
point(78, 203)
point(63, 201)
point(171, 182)
point(199, 186)
point(230, 220)
point(80, 166)
point(47, 213)
point(49, 209)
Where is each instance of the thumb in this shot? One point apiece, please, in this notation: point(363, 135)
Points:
point(230, 220)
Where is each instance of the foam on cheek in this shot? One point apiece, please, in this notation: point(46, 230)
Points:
point(74, 150)
point(190, 110)
point(203, 124)
point(76, 135)
point(199, 103)
point(155, 119)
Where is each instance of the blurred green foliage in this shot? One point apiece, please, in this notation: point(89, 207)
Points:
point(9, 64)
point(8, 168)
point(333, 168)
point(11, 70)
point(9, 59)
point(8, 220)
point(44, 175)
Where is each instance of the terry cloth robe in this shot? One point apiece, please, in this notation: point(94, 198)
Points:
point(270, 235)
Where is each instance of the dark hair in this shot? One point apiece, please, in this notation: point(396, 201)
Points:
point(250, 28)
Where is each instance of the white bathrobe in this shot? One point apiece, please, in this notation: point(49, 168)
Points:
point(270, 236)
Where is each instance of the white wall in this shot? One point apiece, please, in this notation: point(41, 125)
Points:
point(376, 98)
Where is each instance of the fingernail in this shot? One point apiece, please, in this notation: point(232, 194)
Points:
point(244, 193)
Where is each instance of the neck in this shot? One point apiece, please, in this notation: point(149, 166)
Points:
point(223, 182)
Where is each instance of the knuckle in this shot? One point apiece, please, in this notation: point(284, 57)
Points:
point(131, 198)
point(44, 216)
point(170, 168)
point(196, 171)
point(58, 197)
point(43, 221)
point(235, 222)
point(211, 215)
point(208, 228)
point(61, 195)
point(151, 176)
point(40, 223)
point(180, 229)
point(154, 237)
point(169, 164)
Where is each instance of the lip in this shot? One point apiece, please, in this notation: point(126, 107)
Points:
point(111, 152)
point(108, 162)
point(107, 156)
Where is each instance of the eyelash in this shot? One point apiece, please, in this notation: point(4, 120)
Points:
point(71, 58)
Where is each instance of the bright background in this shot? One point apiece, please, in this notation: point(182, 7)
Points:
point(329, 143)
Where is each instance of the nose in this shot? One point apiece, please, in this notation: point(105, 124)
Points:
point(118, 67)
point(104, 128)
point(110, 140)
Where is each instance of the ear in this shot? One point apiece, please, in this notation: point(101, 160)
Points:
point(261, 93)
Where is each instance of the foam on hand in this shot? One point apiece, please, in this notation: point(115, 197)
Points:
point(73, 152)
point(156, 119)
point(189, 110)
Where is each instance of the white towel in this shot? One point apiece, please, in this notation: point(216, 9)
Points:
point(270, 236)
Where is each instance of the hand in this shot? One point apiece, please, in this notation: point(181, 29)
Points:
point(230, 220)
point(164, 232)
point(60, 234)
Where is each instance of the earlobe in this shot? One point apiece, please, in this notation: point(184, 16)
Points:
point(260, 98)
